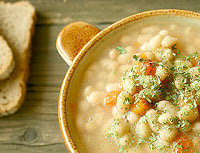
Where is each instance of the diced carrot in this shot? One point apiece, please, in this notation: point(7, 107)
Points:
point(144, 67)
point(111, 98)
point(182, 144)
point(141, 107)
point(194, 62)
point(153, 70)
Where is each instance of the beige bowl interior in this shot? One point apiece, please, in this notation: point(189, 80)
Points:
point(70, 86)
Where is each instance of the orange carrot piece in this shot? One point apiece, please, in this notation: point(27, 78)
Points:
point(141, 107)
point(111, 98)
point(149, 69)
point(194, 62)
point(183, 144)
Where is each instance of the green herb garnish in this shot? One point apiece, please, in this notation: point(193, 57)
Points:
point(121, 50)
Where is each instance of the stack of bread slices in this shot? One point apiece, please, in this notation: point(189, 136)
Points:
point(16, 30)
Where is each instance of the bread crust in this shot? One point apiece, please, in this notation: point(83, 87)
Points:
point(6, 60)
point(12, 107)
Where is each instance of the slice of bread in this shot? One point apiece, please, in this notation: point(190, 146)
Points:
point(6, 59)
point(17, 26)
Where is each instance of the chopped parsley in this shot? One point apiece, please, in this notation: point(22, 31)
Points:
point(177, 87)
point(121, 50)
point(126, 101)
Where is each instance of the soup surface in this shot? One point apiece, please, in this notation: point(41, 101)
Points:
point(139, 90)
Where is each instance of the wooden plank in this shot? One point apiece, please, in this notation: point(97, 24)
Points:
point(101, 11)
point(34, 128)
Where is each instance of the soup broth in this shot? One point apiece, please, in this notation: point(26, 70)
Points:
point(137, 90)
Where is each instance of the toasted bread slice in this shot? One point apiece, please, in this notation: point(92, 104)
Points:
point(17, 24)
point(6, 59)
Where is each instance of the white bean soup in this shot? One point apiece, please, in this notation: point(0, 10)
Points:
point(138, 90)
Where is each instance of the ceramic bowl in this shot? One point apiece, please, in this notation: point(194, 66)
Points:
point(75, 41)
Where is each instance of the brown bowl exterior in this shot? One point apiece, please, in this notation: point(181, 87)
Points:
point(62, 110)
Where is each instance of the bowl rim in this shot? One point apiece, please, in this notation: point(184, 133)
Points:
point(62, 111)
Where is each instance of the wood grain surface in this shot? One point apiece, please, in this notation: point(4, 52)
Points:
point(34, 128)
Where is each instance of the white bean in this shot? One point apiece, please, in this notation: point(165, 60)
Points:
point(125, 39)
point(163, 33)
point(113, 66)
point(124, 59)
point(143, 129)
point(167, 106)
point(161, 72)
point(112, 87)
point(188, 112)
point(88, 90)
point(168, 64)
point(151, 56)
point(168, 133)
point(168, 41)
point(150, 93)
point(148, 81)
point(123, 141)
point(130, 50)
point(179, 82)
point(122, 128)
point(167, 118)
point(106, 125)
point(194, 71)
point(96, 97)
point(145, 47)
point(150, 29)
point(152, 119)
point(182, 65)
point(168, 54)
point(124, 68)
point(115, 112)
point(104, 63)
point(100, 85)
point(185, 126)
point(155, 42)
point(113, 54)
point(158, 53)
point(123, 102)
point(129, 85)
point(143, 38)
point(132, 118)
point(161, 142)
point(83, 106)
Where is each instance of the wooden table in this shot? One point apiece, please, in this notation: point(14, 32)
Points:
point(34, 128)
